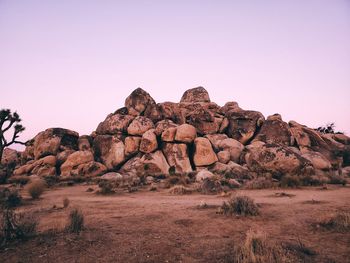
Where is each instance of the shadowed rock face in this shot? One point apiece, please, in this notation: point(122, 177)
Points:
point(146, 138)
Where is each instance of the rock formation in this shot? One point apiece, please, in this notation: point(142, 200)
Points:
point(195, 134)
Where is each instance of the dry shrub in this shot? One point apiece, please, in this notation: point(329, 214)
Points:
point(65, 202)
point(257, 249)
point(36, 188)
point(337, 179)
point(339, 222)
point(260, 183)
point(18, 179)
point(177, 180)
point(211, 186)
point(75, 221)
point(180, 190)
point(290, 181)
point(9, 198)
point(106, 187)
point(240, 205)
point(16, 226)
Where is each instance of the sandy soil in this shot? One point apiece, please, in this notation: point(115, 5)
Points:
point(149, 226)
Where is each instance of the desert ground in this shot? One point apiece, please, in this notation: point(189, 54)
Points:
point(156, 226)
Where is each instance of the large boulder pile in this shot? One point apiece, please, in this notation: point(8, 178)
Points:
point(195, 134)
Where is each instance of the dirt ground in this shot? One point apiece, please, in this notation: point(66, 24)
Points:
point(156, 226)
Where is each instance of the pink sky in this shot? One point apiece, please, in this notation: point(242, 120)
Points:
point(70, 63)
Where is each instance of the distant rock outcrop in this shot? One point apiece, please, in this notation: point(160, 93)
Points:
point(146, 138)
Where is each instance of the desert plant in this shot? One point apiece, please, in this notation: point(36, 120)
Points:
point(65, 202)
point(9, 198)
point(180, 190)
point(259, 183)
point(328, 128)
point(290, 181)
point(75, 221)
point(7, 120)
point(16, 226)
point(339, 222)
point(36, 188)
point(106, 187)
point(337, 179)
point(211, 186)
point(18, 179)
point(257, 249)
point(240, 205)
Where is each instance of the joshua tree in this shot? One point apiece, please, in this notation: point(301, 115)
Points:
point(8, 120)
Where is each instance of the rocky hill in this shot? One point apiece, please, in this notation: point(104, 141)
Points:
point(155, 139)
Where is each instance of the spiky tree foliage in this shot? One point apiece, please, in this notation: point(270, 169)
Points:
point(9, 120)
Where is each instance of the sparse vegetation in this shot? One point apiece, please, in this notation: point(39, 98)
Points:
point(75, 221)
point(106, 187)
point(180, 190)
point(65, 202)
point(328, 128)
point(19, 179)
point(240, 205)
point(9, 198)
point(36, 188)
point(260, 183)
point(337, 179)
point(257, 249)
point(338, 222)
point(292, 181)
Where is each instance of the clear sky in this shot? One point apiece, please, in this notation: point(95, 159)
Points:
point(70, 63)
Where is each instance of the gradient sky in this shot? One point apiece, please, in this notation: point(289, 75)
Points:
point(70, 63)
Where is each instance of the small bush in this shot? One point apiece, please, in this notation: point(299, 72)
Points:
point(18, 179)
point(211, 186)
point(75, 221)
point(290, 181)
point(106, 187)
point(180, 190)
point(36, 188)
point(260, 183)
point(65, 202)
point(9, 198)
point(16, 226)
point(339, 222)
point(240, 205)
point(337, 179)
point(257, 249)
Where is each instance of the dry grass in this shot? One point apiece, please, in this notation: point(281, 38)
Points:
point(180, 190)
point(9, 198)
point(75, 221)
point(65, 202)
point(260, 183)
point(18, 179)
point(292, 181)
point(36, 188)
point(337, 179)
point(106, 187)
point(240, 205)
point(338, 222)
point(257, 249)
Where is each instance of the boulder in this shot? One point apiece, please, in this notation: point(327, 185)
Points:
point(204, 174)
point(276, 159)
point(163, 125)
point(133, 166)
point(275, 130)
point(172, 111)
point(42, 167)
point(177, 156)
point(215, 139)
point(109, 150)
point(112, 176)
point(51, 141)
point(168, 134)
point(74, 160)
point(89, 169)
point(198, 94)
point(132, 144)
point(140, 125)
point(185, 133)
point(346, 171)
point(204, 121)
point(231, 106)
point(233, 146)
point(203, 154)
point(224, 156)
point(138, 102)
point(155, 163)
point(84, 143)
point(62, 156)
point(28, 153)
point(317, 159)
point(148, 142)
point(114, 124)
point(243, 125)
